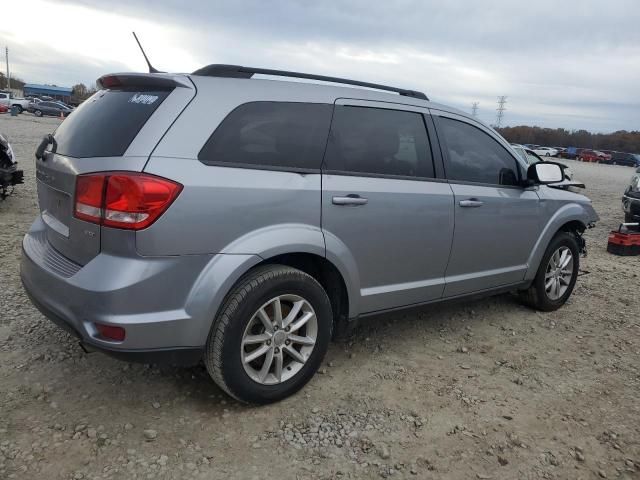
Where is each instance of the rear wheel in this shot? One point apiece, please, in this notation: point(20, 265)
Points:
point(557, 274)
point(270, 336)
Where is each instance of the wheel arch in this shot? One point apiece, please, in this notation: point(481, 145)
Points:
point(326, 273)
point(570, 218)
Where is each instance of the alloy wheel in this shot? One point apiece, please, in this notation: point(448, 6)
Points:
point(279, 339)
point(559, 273)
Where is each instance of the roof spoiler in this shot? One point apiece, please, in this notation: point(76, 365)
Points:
point(143, 80)
point(237, 71)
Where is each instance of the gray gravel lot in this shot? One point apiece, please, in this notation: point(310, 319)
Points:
point(485, 389)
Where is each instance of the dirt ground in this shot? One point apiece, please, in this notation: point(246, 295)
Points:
point(486, 389)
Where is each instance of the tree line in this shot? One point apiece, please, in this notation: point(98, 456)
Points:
point(621, 141)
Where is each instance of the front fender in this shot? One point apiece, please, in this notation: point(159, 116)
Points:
point(570, 212)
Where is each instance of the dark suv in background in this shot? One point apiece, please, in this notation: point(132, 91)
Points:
point(628, 159)
point(53, 109)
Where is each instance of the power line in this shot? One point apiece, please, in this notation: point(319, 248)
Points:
point(502, 100)
point(474, 109)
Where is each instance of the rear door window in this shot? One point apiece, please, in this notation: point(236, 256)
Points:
point(379, 142)
point(105, 124)
point(282, 135)
point(475, 156)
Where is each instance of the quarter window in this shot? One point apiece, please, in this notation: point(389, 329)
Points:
point(271, 134)
point(379, 141)
point(475, 156)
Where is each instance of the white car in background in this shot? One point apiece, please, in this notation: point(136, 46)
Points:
point(546, 151)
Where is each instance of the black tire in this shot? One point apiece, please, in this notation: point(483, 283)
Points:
point(37, 113)
point(19, 108)
point(222, 355)
point(536, 296)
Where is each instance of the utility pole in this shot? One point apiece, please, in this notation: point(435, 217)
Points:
point(474, 109)
point(502, 100)
point(6, 52)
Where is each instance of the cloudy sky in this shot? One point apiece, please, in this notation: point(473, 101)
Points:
point(572, 63)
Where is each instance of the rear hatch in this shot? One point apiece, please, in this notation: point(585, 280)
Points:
point(114, 130)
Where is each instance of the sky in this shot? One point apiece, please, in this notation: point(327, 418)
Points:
point(572, 64)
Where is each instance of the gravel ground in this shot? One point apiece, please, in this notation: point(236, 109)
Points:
point(485, 389)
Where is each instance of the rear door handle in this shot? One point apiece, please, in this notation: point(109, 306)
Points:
point(471, 203)
point(349, 200)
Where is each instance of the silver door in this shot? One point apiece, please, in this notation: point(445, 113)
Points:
point(397, 229)
point(495, 231)
point(497, 221)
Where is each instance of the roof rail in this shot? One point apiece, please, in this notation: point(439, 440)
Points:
point(237, 71)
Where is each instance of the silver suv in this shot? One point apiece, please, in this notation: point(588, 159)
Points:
point(244, 221)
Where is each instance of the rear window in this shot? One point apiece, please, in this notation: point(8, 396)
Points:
point(271, 134)
point(105, 124)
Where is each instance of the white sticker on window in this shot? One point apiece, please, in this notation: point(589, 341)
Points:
point(143, 99)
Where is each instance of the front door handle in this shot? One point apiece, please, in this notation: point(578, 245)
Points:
point(471, 203)
point(349, 200)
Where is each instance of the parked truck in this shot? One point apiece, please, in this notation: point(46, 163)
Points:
point(7, 98)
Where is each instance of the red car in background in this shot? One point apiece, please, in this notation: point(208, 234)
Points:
point(4, 109)
point(593, 156)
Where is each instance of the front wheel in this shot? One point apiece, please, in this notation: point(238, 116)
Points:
point(270, 336)
point(557, 274)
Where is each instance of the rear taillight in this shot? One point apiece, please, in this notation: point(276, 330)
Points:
point(127, 200)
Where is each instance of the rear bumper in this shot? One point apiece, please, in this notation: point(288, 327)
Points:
point(148, 297)
point(185, 356)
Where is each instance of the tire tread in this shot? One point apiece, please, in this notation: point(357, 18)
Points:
point(252, 280)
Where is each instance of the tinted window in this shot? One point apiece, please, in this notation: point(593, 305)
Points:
point(474, 156)
point(271, 134)
point(378, 141)
point(105, 124)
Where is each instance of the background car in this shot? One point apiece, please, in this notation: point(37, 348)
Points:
point(559, 150)
point(570, 153)
point(53, 109)
point(628, 159)
point(545, 151)
point(4, 108)
point(589, 156)
point(609, 153)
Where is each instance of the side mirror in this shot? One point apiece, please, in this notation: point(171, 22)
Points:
point(545, 172)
